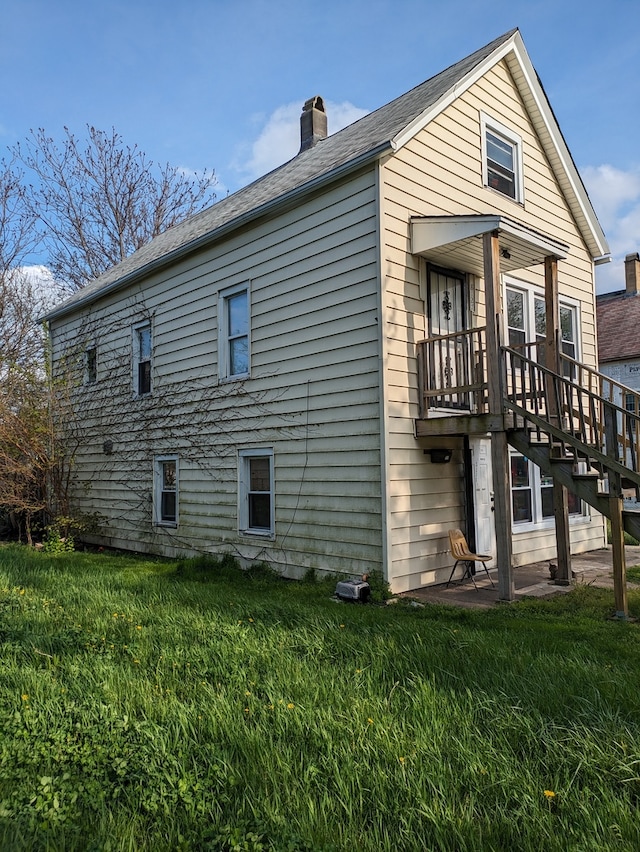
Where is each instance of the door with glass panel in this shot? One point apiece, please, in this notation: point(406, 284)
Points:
point(449, 361)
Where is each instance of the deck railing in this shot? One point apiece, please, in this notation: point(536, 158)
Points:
point(452, 370)
point(582, 405)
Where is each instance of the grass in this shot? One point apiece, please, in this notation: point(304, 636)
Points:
point(164, 706)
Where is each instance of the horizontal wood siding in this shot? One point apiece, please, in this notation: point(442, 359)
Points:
point(439, 171)
point(313, 395)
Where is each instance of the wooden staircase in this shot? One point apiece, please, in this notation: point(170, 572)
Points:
point(581, 428)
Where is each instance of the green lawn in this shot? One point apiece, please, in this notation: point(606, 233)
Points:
point(151, 706)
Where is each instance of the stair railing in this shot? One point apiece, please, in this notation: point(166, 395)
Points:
point(572, 411)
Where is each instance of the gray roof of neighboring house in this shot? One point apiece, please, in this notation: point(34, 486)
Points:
point(357, 143)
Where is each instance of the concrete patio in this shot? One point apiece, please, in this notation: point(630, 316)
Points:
point(593, 569)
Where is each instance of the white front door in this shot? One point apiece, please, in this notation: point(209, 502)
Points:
point(483, 497)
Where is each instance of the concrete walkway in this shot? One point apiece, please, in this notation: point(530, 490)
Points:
point(593, 569)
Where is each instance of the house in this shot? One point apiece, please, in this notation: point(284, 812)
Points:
point(320, 370)
point(618, 318)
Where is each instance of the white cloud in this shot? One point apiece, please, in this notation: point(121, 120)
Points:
point(45, 290)
point(279, 138)
point(615, 195)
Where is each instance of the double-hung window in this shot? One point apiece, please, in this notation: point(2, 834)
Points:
point(233, 332)
point(527, 321)
point(90, 365)
point(255, 492)
point(532, 494)
point(142, 346)
point(165, 491)
point(501, 159)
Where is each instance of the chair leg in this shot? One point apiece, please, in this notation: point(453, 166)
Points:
point(488, 574)
point(453, 571)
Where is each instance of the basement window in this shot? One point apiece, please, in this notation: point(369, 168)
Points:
point(501, 159)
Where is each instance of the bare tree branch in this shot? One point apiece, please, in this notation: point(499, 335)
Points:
point(100, 200)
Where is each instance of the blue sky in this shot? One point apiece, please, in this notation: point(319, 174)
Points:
point(220, 83)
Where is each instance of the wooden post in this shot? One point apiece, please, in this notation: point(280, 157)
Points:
point(615, 510)
point(499, 446)
point(553, 362)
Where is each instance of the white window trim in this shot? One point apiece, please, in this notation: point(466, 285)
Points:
point(531, 293)
point(539, 522)
point(135, 359)
point(87, 375)
point(158, 461)
point(224, 365)
point(243, 492)
point(488, 123)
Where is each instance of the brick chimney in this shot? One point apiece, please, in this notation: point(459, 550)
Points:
point(313, 123)
point(632, 274)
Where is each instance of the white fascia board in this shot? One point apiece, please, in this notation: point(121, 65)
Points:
point(419, 123)
point(598, 243)
point(429, 232)
point(514, 51)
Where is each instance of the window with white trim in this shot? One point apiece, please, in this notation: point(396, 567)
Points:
point(256, 492)
point(501, 159)
point(527, 320)
point(165, 491)
point(532, 494)
point(233, 332)
point(90, 365)
point(142, 348)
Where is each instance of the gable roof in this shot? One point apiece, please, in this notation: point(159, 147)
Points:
point(384, 130)
point(618, 326)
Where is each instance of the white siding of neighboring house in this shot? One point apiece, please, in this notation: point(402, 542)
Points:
point(313, 395)
point(440, 172)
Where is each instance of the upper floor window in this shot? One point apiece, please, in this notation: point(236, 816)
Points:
point(502, 159)
point(142, 359)
point(91, 365)
point(233, 333)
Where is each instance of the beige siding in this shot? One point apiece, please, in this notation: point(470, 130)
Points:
point(313, 395)
point(439, 171)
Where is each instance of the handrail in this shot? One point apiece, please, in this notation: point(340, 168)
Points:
point(574, 414)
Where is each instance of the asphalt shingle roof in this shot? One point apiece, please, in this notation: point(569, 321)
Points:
point(618, 327)
point(360, 141)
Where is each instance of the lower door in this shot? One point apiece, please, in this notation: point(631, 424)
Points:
point(483, 497)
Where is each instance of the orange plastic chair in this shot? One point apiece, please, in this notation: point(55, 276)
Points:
point(461, 553)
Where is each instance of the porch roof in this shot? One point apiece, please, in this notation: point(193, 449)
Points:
point(455, 242)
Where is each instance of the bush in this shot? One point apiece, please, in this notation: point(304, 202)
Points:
point(55, 542)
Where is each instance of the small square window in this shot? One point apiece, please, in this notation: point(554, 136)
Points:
point(165, 492)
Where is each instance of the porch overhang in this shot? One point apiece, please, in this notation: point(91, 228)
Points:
point(455, 242)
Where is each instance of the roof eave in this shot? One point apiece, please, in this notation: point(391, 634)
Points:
point(218, 233)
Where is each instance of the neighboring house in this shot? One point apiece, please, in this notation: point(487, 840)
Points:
point(254, 379)
point(618, 317)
